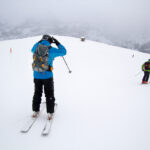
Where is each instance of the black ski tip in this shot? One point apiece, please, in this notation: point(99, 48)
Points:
point(23, 131)
point(45, 134)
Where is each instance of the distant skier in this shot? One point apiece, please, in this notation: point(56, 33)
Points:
point(43, 56)
point(146, 69)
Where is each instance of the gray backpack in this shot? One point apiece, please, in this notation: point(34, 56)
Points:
point(40, 58)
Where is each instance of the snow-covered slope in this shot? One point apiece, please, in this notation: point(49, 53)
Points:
point(101, 105)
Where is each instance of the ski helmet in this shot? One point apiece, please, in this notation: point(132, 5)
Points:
point(47, 38)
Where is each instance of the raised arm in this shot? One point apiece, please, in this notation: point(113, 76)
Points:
point(60, 51)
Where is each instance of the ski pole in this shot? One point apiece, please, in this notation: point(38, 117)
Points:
point(66, 64)
point(138, 73)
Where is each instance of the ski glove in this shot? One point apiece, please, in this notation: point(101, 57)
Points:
point(55, 41)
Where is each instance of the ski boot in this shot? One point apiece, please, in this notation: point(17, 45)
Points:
point(49, 116)
point(35, 114)
point(144, 82)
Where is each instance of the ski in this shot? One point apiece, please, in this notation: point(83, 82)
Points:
point(48, 125)
point(28, 125)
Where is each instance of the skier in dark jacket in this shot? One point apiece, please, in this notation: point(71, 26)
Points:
point(45, 79)
point(146, 69)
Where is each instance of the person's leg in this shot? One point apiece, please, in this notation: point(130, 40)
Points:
point(147, 76)
point(49, 94)
point(37, 95)
point(144, 77)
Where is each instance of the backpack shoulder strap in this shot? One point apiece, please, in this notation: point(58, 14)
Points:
point(147, 63)
point(49, 46)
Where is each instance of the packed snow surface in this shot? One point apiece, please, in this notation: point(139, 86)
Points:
point(101, 104)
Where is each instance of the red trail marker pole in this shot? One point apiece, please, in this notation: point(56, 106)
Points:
point(10, 50)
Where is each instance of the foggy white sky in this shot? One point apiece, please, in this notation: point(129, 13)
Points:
point(121, 17)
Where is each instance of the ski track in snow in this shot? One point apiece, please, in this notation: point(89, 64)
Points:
point(101, 104)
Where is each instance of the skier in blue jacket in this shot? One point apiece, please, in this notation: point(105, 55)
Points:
point(46, 78)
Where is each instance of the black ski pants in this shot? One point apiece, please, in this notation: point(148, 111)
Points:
point(146, 76)
point(48, 85)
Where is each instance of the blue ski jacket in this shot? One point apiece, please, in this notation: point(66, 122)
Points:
point(53, 52)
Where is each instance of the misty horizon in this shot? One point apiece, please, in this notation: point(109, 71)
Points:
point(117, 22)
